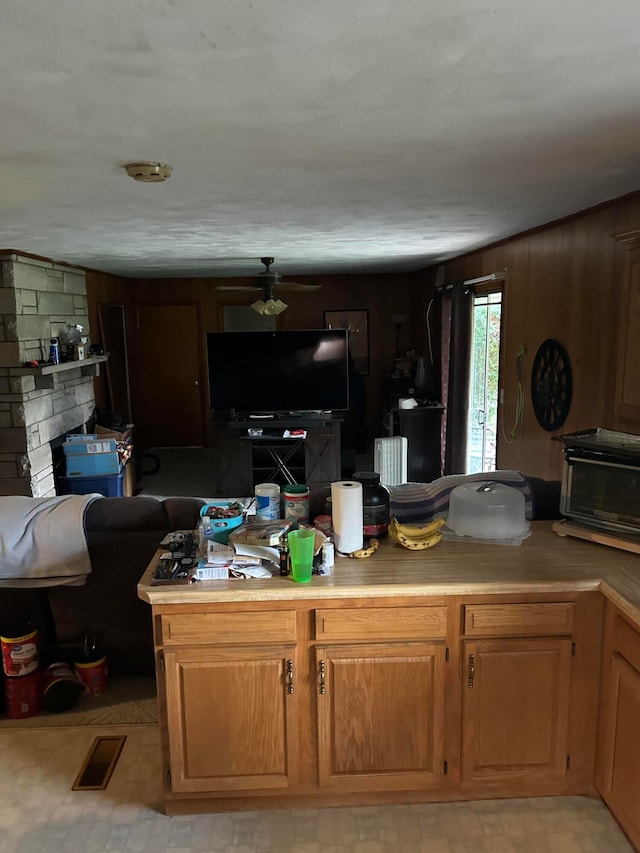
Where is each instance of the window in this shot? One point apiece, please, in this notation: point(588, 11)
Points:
point(482, 417)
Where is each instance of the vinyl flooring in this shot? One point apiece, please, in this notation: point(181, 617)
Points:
point(40, 814)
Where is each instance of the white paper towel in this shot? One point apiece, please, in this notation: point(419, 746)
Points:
point(346, 512)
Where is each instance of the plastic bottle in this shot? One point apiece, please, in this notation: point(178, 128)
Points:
point(284, 556)
point(268, 500)
point(375, 504)
point(54, 351)
point(296, 503)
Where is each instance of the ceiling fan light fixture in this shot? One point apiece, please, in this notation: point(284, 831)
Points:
point(275, 306)
point(259, 305)
point(149, 173)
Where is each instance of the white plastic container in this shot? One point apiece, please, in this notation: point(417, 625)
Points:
point(487, 511)
point(267, 500)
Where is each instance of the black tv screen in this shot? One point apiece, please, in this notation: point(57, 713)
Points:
point(303, 371)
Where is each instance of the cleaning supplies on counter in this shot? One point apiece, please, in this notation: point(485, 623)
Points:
point(268, 501)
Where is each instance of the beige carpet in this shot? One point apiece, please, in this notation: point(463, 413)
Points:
point(127, 702)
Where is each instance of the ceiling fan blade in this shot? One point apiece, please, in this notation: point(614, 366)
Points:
point(248, 287)
point(296, 285)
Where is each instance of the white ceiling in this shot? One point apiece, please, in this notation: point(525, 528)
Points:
point(336, 135)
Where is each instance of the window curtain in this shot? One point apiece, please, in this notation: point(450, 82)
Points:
point(456, 309)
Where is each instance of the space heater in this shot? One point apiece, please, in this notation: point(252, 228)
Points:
point(390, 459)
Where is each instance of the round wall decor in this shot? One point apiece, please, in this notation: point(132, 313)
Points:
point(551, 384)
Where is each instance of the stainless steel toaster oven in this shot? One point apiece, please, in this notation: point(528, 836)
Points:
point(601, 480)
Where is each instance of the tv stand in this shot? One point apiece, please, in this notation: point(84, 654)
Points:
point(243, 460)
point(281, 422)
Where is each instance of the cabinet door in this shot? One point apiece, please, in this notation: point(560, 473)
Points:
point(620, 770)
point(516, 709)
point(322, 455)
point(231, 718)
point(627, 401)
point(380, 716)
point(231, 463)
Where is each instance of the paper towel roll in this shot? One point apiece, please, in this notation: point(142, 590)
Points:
point(346, 511)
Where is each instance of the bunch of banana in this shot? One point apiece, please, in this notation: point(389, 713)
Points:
point(416, 537)
point(370, 548)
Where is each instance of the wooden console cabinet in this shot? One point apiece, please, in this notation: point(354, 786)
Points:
point(241, 461)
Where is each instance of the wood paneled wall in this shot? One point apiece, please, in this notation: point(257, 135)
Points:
point(564, 282)
point(381, 295)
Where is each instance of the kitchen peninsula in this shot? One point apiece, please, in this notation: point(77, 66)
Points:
point(466, 671)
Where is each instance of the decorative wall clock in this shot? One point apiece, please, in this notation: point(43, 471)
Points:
point(551, 384)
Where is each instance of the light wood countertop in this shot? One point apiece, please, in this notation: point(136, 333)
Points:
point(545, 562)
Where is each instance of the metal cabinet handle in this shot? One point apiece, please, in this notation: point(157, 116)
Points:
point(289, 676)
point(323, 669)
point(472, 669)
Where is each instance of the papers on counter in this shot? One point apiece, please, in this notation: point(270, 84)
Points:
point(222, 563)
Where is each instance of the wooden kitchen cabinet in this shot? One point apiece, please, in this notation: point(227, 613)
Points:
point(380, 716)
point(516, 708)
point(231, 718)
point(618, 769)
point(380, 705)
point(353, 699)
point(230, 699)
point(528, 691)
point(627, 396)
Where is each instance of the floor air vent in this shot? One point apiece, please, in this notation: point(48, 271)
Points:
point(99, 764)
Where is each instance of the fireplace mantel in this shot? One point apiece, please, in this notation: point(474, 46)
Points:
point(47, 369)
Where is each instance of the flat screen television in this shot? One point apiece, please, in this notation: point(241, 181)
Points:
point(278, 372)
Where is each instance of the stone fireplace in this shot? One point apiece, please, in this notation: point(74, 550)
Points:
point(38, 300)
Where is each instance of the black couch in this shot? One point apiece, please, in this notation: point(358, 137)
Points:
point(122, 535)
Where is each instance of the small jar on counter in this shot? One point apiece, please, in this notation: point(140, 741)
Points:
point(375, 504)
point(296, 503)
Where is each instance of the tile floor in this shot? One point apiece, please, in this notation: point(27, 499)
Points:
point(40, 814)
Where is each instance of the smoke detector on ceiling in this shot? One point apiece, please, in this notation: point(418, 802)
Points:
point(149, 172)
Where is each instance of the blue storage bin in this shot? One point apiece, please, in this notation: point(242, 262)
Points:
point(110, 486)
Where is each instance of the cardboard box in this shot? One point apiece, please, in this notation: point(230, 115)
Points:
point(93, 464)
point(103, 432)
point(84, 445)
point(124, 441)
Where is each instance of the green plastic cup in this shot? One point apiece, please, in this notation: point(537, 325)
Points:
point(301, 546)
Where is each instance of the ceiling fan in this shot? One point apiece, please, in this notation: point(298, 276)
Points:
point(266, 281)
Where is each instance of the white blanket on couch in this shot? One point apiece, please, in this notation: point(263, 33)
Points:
point(42, 541)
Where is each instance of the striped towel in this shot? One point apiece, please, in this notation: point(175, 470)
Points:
point(419, 503)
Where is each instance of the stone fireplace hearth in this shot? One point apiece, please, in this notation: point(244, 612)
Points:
point(38, 299)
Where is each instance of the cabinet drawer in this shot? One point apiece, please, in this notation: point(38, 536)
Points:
point(232, 628)
point(511, 620)
point(379, 623)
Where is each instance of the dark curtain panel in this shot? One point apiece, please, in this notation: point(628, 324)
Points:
point(455, 352)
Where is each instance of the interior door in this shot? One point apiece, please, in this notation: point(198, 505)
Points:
point(168, 406)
